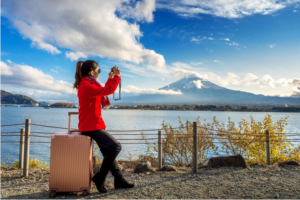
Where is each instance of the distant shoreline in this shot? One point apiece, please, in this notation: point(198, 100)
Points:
point(205, 110)
point(262, 110)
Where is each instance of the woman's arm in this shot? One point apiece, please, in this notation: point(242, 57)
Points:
point(92, 90)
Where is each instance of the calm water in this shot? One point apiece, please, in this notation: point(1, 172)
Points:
point(115, 120)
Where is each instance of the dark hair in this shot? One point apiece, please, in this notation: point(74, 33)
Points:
point(82, 69)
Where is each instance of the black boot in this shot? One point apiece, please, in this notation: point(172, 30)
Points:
point(121, 182)
point(99, 184)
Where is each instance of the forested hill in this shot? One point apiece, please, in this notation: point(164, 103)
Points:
point(9, 98)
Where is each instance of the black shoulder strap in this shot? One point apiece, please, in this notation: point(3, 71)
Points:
point(119, 92)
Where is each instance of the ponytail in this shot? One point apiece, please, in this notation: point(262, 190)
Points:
point(78, 74)
point(82, 69)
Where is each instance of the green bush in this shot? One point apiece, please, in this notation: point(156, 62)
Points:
point(246, 139)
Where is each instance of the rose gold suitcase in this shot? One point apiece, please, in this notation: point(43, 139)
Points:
point(71, 162)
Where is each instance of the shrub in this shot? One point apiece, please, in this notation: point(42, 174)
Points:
point(33, 163)
point(246, 139)
point(249, 140)
point(177, 144)
point(3, 164)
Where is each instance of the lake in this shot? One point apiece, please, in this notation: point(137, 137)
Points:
point(115, 120)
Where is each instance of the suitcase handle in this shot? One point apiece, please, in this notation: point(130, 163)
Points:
point(69, 123)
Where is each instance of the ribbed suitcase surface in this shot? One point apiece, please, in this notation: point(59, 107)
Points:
point(70, 163)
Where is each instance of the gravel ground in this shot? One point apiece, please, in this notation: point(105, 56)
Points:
point(261, 182)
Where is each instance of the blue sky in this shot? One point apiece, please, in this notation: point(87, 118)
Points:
point(252, 46)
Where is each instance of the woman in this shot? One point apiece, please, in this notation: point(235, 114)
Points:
point(91, 96)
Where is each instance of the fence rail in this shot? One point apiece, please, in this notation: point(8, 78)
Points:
point(146, 130)
point(12, 124)
point(25, 135)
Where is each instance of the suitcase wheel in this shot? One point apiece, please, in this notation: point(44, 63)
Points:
point(85, 193)
point(52, 194)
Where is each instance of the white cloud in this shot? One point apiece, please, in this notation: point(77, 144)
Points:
point(198, 84)
point(144, 70)
point(193, 39)
point(143, 10)
point(36, 33)
point(180, 70)
point(29, 77)
point(182, 65)
point(284, 82)
point(233, 44)
point(224, 8)
point(45, 46)
point(128, 75)
point(48, 96)
point(199, 39)
point(272, 46)
point(75, 55)
point(295, 11)
point(91, 27)
point(5, 70)
point(217, 61)
point(196, 63)
point(53, 70)
point(127, 67)
point(295, 83)
point(179, 73)
point(232, 79)
point(250, 79)
point(157, 70)
point(9, 61)
point(136, 90)
point(264, 83)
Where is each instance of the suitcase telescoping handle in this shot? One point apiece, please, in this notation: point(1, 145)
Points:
point(69, 123)
point(93, 164)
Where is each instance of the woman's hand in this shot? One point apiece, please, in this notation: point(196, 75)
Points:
point(110, 74)
point(116, 70)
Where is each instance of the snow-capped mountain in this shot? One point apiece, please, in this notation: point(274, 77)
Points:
point(196, 90)
point(192, 82)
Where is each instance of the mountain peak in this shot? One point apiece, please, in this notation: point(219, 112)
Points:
point(192, 75)
point(191, 81)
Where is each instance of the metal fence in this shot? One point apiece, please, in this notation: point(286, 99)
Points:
point(25, 135)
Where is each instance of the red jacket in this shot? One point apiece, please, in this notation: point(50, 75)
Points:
point(89, 96)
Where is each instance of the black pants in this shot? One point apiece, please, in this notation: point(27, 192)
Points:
point(110, 148)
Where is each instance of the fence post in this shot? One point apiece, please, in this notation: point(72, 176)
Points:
point(159, 150)
point(27, 143)
point(195, 147)
point(268, 146)
point(21, 152)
